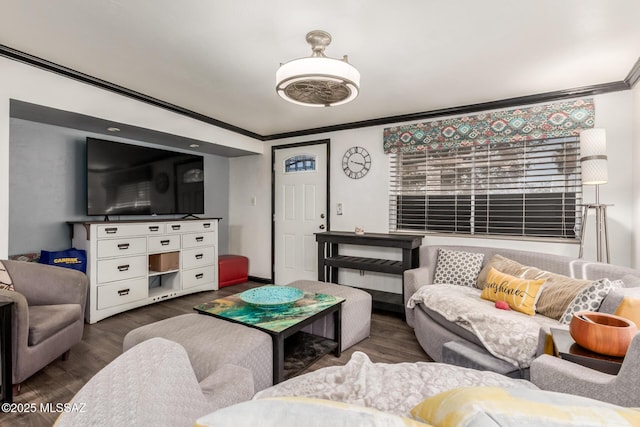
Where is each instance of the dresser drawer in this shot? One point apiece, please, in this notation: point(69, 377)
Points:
point(110, 270)
point(198, 257)
point(124, 230)
point(121, 247)
point(196, 240)
point(189, 226)
point(164, 243)
point(198, 276)
point(122, 292)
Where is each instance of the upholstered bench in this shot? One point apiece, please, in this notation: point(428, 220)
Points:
point(356, 311)
point(212, 343)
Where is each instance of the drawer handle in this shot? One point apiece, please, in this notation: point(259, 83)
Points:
point(123, 267)
point(176, 227)
point(199, 256)
point(206, 225)
point(200, 239)
point(123, 292)
point(165, 242)
point(154, 228)
point(123, 246)
point(199, 275)
point(111, 230)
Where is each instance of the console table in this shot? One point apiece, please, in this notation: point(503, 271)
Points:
point(5, 351)
point(329, 260)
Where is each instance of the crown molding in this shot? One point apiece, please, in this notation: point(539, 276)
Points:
point(629, 82)
point(634, 75)
point(35, 61)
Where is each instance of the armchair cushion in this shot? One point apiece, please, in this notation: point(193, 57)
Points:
point(46, 320)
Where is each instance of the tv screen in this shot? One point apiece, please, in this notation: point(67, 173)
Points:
point(125, 179)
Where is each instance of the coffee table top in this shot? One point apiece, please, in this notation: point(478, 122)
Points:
point(273, 319)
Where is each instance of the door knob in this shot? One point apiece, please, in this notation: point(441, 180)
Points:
point(322, 216)
point(321, 226)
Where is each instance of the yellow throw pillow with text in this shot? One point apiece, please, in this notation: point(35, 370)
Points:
point(520, 294)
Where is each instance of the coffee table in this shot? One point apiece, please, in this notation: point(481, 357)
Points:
point(280, 323)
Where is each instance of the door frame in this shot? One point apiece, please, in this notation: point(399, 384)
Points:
point(327, 143)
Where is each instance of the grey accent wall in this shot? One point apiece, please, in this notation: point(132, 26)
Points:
point(47, 186)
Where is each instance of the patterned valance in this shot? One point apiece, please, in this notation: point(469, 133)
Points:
point(521, 124)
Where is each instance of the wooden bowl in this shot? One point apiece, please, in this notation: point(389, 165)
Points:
point(602, 333)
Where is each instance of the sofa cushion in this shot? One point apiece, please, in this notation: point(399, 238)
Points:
point(457, 267)
point(46, 320)
point(557, 294)
point(520, 294)
point(590, 298)
point(497, 406)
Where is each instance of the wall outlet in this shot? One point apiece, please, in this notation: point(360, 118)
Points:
point(339, 209)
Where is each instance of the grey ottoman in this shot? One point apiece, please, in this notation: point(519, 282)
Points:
point(356, 311)
point(212, 343)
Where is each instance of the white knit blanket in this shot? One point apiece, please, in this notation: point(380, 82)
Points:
point(388, 387)
point(508, 335)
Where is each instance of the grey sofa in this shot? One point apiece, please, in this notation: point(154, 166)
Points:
point(447, 342)
point(47, 314)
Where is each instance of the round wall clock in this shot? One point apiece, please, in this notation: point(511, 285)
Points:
point(356, 162)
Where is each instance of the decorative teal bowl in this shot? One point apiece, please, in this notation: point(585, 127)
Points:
point(271, 296)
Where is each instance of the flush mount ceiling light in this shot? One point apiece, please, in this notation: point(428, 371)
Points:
point(318, 81)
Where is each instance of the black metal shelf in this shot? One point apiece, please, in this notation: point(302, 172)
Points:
point(329, 260)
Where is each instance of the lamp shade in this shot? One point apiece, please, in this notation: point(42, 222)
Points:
point(593, 156)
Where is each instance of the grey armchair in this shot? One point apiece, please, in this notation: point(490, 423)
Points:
point(47, 314)
point(555, 374)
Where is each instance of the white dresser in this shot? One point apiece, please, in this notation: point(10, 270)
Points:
point(120, 256)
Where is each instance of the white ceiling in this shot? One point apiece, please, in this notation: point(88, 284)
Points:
point(219, 57)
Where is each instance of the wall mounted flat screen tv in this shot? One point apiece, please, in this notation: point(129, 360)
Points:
point(125, 179)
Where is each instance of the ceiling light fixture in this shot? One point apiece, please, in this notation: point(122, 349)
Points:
point(318, 81)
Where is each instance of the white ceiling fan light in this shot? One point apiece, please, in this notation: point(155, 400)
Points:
point(318, 81)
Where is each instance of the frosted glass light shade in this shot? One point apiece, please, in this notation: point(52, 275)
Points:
point(593, 156)
point(318, 79)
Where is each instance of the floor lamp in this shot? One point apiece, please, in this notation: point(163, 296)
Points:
point(593, 161)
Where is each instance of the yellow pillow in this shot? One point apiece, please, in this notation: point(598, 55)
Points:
point(520, 294)
point(515, 407)
point(629, 308)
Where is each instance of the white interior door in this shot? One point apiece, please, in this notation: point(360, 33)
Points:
point(300, 187)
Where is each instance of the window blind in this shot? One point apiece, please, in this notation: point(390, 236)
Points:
point(521, 188)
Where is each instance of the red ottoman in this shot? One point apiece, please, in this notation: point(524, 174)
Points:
point(232, 269)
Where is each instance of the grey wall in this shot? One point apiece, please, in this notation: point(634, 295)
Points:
point(47, 186)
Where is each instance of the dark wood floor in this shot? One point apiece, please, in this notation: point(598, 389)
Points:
point(391, 341)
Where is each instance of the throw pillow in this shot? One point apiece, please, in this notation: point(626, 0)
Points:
point(517, 407)
point(557, 294)
point(590, 298)
point(629, 308)
point(301, 411)
point(520, 294)
point(631, 288)
point(457, 267)
point(5, 280)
